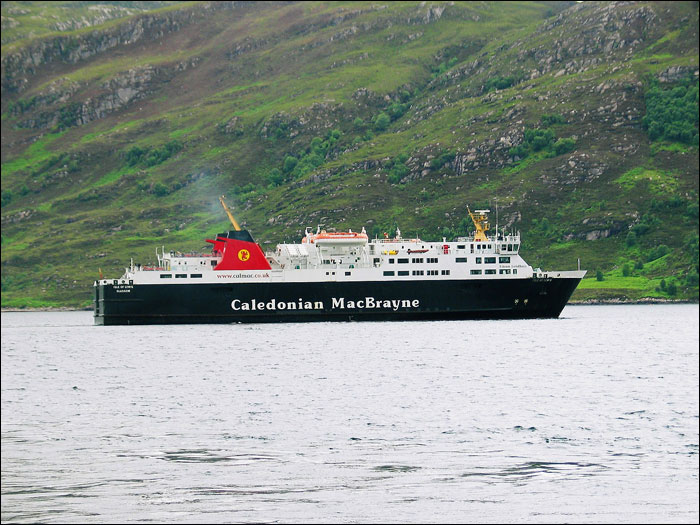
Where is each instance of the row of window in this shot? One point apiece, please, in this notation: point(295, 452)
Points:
point(504, 271)
point(401, 273)
point(487, 260)
point(504, 247)
point(434, 260)
point(180, 275)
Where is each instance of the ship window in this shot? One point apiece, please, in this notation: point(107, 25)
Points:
point(196, 275)
point(504, 272)
point(180, 276)
point(504, 259)
point(515, 247)
point(489, 246)
point(445, 272)
point(489, 272)
point(432, 260)
point(213, 263)
point(510, 247)
point(432, 272)
point(403, 261)
point(391, 261)
point(348, 273)
point(472, 247)
point(403, 272)
point(417, 260)
point(461, 246)
point(490, 260)
point(417, 272)
point(377, 260)
point(165, 276)
point(475, 272)
point(326, 261)
point(504, 247)
point(461, 259)
point(515, 271)
point(478, 260)
point(388, 274)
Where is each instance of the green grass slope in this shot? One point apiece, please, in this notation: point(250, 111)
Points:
point(579, 121)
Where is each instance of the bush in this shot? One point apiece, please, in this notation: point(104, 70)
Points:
point(397, 110)
point(657, 252)
point(160, 190)
point(499, 83)
point(382, 121)
point(549, 120)
point(398, 170)
point(69, 115)
point(631, 239)
point(152, 157)
point(539, 139)
point(358, 122)
point(441, 160)
point(289, 164)
point(133, 156)
point(520, 151)
point(626, 270)
point(542, 139)
point(599, 275)
point(275, 177)
point(672, 114)
point(562, 146)
point(7, 197)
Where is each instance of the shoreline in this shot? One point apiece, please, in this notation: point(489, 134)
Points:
point(588, 302)
point(647, 300)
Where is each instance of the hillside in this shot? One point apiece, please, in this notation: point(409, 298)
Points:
point(122, 124)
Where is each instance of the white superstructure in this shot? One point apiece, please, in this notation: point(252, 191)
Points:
point(351, 256)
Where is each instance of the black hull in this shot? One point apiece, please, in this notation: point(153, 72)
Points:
point(276, 302)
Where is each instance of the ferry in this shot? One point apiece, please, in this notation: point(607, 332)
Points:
point(337, 276)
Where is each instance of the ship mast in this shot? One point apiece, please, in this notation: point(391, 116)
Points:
point(230, 215)
point(480, 220)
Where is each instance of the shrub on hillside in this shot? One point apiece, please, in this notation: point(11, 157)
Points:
point(381, 121)
point(550, 120)
point(499, 83)
point(542, 139)
point(672, 114)
point(562, 146)
point(657, 252)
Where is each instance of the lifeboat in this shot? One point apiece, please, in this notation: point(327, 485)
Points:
point(346, 238)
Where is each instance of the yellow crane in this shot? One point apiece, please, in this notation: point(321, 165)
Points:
point(230, 215)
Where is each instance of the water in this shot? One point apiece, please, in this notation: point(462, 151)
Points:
point(592, 417)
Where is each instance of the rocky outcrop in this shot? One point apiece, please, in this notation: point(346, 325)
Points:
point(676, 73)
point(60, 103)
point(18, 66)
